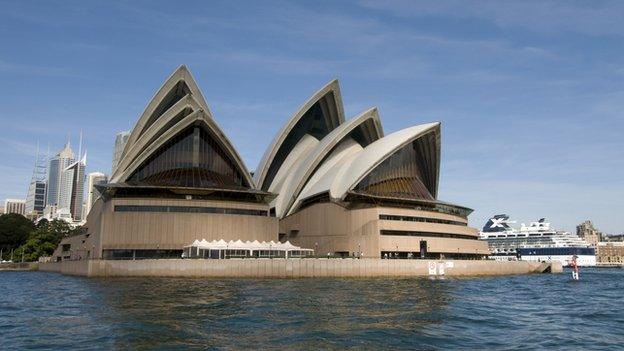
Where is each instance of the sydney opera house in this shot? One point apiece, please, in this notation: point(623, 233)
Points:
point(339, 187)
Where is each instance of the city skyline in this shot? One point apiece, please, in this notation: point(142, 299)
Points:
point(530, 124)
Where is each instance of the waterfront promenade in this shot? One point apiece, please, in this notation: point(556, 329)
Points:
point(296, 268)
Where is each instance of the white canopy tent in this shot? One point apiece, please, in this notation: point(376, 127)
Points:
point(247, 249)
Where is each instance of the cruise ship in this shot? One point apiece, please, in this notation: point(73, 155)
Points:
point(535, 242)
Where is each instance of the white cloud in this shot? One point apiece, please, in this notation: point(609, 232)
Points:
point(549, 17)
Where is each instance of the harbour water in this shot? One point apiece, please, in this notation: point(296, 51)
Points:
point(545, 311)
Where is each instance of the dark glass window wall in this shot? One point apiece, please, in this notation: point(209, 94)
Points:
point(409, 173)
point(193, 158)
point(190, 209)
point(427, 234)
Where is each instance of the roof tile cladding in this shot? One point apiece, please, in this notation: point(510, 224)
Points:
point(159, 152)
point(333, 112)
point(404, 164)
point(316, 122)
point(170, 148)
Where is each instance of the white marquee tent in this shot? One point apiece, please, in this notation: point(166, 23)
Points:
point(247, 249)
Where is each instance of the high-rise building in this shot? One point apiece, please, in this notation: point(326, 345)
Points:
point(71, 188)
point(120, 143)
point(15, 206)
point(93, 179)
point(587, 231)
point(36, 197)
point(56, 166)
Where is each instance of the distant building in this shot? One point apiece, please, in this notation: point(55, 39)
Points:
point(50, 211)
point(587, 231)
point(613, 237)
point(610, 253)
point(56, 166)
point(120, 143)
point(36, 197)
point(71, 188)
point(15, 206)
point(1, 210)
point(93, 179)
point(35, 200)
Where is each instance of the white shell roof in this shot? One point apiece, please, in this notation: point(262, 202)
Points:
point(300, 175)
point(365, 161)
point(132, 153)
point(269, 155)
point(350, 163)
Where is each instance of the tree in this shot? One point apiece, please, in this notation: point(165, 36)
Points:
point(44, 239)
point(14, 231)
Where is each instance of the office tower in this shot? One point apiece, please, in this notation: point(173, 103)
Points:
point(57, 164)
point(93, 179)
point(36, 197)
point(120, 143)
point(71, 188)
point(15, 206)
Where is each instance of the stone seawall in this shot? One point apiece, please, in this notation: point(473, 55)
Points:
point(295, 268)
point(19, 266)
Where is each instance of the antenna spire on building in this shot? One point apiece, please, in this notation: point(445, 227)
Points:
point(80, 145)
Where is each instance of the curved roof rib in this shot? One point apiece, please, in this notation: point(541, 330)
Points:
point(162, 118)
point(179, 84)
point(318, 116)
point(196, 118)
point(363, 163)
point(363, 129)
point(177, 112)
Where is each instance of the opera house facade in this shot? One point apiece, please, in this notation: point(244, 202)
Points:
point(339, 187)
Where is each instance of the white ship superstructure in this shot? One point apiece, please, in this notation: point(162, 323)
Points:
point(535, 242)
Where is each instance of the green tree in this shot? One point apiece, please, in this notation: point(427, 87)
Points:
point(44, 239)
point(14, 232)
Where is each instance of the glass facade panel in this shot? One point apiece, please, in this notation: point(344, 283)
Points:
point(193, 158)
point(427, 234)
point(387, 217)
point(190, 209)
point(408, 173)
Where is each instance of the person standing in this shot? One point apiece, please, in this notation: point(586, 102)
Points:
point(575, 268)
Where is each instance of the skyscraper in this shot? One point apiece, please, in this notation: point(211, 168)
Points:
point(36, 197)
point(71, 188)
point(57, 164)
point(120, 143)
point(93, 179)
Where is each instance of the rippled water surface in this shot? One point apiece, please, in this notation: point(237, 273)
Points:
point(50, 311)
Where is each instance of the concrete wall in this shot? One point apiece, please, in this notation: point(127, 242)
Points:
point(82, 268)
point(108, 229)
point(358, 230)
point(292, 268)
point(148, 230)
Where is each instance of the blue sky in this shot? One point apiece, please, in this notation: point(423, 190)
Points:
point(531, 94)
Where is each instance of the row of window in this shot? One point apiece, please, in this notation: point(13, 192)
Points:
point(427, 234)
point(140, 254)
point(190, 209)
point(556, 251)
point(419, 219)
